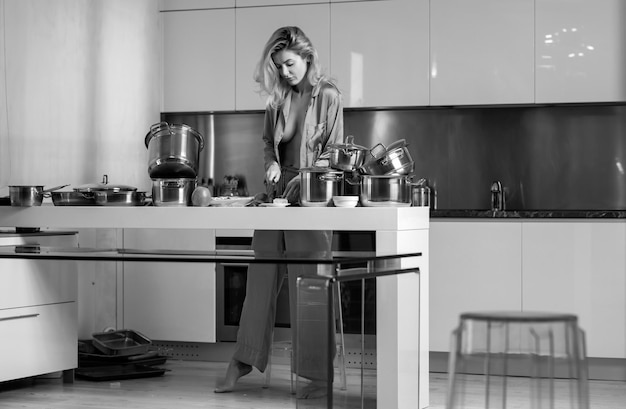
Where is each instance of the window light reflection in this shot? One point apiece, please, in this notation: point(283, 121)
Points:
point(356, 79)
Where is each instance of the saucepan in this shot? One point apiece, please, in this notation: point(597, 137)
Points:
point(348, 156)
point(29, 195)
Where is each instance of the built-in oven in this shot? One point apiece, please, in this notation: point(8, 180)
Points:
point(231, 287)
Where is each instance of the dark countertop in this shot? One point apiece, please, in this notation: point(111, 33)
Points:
point(32, 231)
point(527, 214)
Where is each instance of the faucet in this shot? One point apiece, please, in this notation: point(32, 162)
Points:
point(498, 202)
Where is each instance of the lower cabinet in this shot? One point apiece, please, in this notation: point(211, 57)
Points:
point(579, 267)
point(38, 311)
point(570, 266)
point(473, 266)
point(170, 301)
point(38, 340)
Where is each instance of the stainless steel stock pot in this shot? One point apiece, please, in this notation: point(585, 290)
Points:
point(319, 185)
point(173, 151)
point(385, 190)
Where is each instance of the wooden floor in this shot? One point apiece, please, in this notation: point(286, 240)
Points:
point(189, 384)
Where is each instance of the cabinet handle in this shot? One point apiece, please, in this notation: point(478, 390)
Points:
point(18, 317)
point(229, 264)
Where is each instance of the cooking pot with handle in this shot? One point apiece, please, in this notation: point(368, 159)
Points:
point(347, 156)
point(319, 185)
point(396, 160)
point(173, 191)
point(173, 151)
point(385, 191)
point(29, 195)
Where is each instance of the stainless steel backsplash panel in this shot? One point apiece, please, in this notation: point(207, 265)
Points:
point(569, 157)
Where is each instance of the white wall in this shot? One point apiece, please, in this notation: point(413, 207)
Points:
point(80, 86)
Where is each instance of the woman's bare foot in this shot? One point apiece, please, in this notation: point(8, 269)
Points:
point(313, 390)
point(236, 370)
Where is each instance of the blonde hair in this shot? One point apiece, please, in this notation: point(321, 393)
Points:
point(266, 74)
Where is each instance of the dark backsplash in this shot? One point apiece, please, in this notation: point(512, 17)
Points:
point(568, 157)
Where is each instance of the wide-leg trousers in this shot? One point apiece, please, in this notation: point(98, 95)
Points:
point(256, 325)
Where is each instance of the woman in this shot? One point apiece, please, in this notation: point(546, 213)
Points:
point(304, 114)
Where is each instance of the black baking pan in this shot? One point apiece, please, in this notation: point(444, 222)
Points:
point(122, 342)
point(118, 372)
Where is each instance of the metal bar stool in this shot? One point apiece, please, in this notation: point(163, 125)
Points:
point(495, 355)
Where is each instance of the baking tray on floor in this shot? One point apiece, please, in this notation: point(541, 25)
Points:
point(121, 342)
point(118, 372)
point(88, 355)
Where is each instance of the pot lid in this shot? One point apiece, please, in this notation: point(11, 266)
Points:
point(401, 143)
point(349, 145)
point(104, 186)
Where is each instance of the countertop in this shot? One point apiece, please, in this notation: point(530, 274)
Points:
point(527, 214)
point(265, 218)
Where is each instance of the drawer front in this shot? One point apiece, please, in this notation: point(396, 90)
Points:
point(38, 340)
point(36, 282)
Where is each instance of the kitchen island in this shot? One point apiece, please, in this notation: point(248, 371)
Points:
point(402, 300)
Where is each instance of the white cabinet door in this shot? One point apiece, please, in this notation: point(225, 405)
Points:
point(255, 25)
point(257, 3)
point(38, 340)
point(198, 60)
point(482, 52)
point(379, 52)
point(195, 4)
point(170, 301)
point(474, 265)
point(579, 268)
point(580, 51)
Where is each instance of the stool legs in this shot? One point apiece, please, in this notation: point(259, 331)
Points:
point(494, 358)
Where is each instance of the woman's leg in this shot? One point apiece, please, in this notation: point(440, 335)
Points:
point(259, 310)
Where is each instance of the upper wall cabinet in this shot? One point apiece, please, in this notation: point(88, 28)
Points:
point(379, 52)
point(256, 3)
point(198, 60)
point(482, 52)
point(580, 51)
point(195, 4)
point(255, 25)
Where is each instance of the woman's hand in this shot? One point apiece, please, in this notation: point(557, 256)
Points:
point(292, 190)
point(272, 174)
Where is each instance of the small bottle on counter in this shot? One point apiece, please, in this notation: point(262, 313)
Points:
point(497, 197)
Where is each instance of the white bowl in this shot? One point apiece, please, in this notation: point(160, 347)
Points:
point(345, 201)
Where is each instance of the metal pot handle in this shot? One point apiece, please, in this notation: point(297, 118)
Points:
point(330, 177)
point(152, 128)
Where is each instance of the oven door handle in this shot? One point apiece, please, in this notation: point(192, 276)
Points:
point(235, 264)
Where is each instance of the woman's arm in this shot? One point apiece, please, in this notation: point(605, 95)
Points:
point(334, 123)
